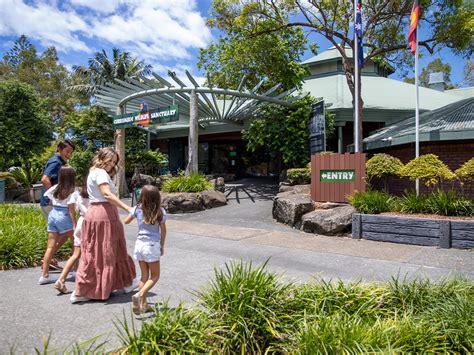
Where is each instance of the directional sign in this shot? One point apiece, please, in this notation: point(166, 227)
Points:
point(337, 175)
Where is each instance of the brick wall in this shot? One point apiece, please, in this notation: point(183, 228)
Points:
point(452, 153)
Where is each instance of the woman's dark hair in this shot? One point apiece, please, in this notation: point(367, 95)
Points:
point(150, 203)
point(83, 192)
point(64, 143)
point(66, 183)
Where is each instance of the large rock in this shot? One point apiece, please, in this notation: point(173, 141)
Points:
point(213, 198)
point(332, 221)
point(174, 202)
point(289, 207)
point(295, 189)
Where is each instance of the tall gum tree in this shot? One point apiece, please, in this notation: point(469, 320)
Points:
point(443, 24)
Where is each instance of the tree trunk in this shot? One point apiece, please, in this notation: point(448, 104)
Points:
point(192, 167)
point(119, 136)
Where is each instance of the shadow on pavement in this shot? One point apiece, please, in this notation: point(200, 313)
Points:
point(252, 189)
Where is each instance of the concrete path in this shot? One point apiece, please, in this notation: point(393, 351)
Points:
point(196, 245)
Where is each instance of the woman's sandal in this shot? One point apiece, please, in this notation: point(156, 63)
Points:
point(61, 287)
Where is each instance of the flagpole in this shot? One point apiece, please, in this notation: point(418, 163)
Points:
point(356, 83)
point(417, 113)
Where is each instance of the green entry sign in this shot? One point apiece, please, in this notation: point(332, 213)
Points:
point(337, 175)
point(153, 116)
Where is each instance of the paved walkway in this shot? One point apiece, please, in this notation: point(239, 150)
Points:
point(198, 243)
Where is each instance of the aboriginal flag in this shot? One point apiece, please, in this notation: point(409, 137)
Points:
point(414, 18)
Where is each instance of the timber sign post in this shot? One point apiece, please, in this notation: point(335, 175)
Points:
point(150, 117)
point(335, 176)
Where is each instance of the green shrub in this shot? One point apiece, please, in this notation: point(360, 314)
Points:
point(27, 177)
point(146, 159)
point(299, 176)
point(466, 171)
point(382, 166)
point(10, 181)
point(372, 202)
point(191, 183)
point(449, 203)
point(428, 168)
point(411, 203)
point(23, 237)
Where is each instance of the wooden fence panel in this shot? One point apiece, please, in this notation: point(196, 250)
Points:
point(336, 183)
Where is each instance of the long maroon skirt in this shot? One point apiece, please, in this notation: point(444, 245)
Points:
point(104, 265)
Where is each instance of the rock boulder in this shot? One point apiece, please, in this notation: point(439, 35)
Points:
point(334, 221)
point(213, 198)
point(175, 202)
point(288, 207)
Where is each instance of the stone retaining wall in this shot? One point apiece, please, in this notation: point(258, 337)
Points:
point(409, 230)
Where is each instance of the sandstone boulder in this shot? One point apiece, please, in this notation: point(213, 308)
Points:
point(175, 202)
point(288, 207)
point(213, 198)
point(332, 221)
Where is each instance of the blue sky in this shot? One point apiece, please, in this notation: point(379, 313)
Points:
point(164, 33)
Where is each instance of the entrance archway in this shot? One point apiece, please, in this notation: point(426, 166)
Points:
point(199, 107)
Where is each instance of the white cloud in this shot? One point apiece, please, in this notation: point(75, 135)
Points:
point(156, 31)
point(155, 28)
point(104, 6)
point(43, 22)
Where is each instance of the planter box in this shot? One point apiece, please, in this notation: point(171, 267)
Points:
point(411, 230)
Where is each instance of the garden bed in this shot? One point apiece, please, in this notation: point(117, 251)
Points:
point(443, 232)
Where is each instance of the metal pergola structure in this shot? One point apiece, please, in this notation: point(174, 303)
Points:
point(198, 107)
point(213, 104)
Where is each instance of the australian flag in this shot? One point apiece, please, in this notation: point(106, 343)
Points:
point(358, 31)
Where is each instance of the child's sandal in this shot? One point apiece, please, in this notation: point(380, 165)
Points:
point(61, 287)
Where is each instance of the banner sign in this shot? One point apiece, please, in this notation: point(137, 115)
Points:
point(337, 175)
point(150, 117)
point(317, 128)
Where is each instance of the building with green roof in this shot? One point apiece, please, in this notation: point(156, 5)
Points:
point(386, 100)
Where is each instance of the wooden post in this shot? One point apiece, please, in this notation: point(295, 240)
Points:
point(119, 137)
point(192, 167)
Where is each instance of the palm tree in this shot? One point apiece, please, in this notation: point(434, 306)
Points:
point(102, 69)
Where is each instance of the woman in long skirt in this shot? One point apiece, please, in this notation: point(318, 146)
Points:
point(105, 265)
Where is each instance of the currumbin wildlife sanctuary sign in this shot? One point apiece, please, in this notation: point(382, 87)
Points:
point(146, 118)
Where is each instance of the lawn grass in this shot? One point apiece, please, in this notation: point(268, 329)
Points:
point(247, 309)
point(23, 237)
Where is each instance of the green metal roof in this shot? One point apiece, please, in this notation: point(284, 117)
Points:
point(333, 54)
point(377, 92)
point(451, 122)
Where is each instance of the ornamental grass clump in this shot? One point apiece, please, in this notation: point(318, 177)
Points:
point(372, 202)
point(245, 304)
point(23, 237)
point(449, 203)
point(250, 310)
point(191, 183)
point(172, 330)
point(429, 169)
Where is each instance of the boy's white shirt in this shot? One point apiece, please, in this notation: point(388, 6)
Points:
point(71, 199)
